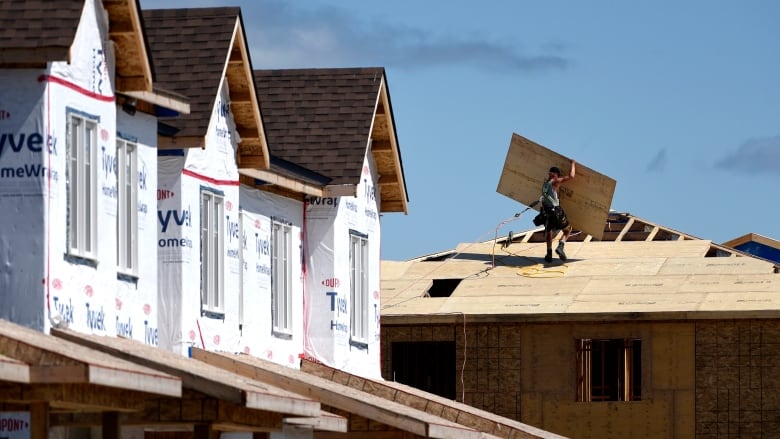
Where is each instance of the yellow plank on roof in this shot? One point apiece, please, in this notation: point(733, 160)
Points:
point(586, 199)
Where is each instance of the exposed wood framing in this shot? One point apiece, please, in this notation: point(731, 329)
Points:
point(243, 102)
point(386, 154)
point(211, 381)
point(192, 408)
point(338, 396)
point(133, 66)
point(180, 142)
point(82, 397)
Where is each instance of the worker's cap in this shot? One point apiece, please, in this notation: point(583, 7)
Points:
point(555, 170)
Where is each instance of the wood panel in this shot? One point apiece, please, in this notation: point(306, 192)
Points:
point(586, 199)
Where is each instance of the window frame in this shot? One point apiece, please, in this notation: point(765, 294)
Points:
point(127, 206)
point(212, 254)
point(281, 278)
point(82, 185)
point(358, 289)
point(609, 369)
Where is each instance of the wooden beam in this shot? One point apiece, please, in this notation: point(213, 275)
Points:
point(651, 235)
point(209, 380)
point(392, 206)
point(74, 396)
point(291, 184)
point(339, 396)
point(178, 142)
point(133, 83)
point(626, 229)
point(240, 97)
point(248, 132)
point(13, 370)
point(123, 27)
point(39, 420)
point(193, 408)
point(381, 146)
point(254, 161)
point(325, 422)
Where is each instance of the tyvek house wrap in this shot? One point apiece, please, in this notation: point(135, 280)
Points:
point(181, 179)
point(329, 223)
point(40, 282)
point(258, 337)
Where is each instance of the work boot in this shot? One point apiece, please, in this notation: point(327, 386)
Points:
point(548, 256)
point(560, 251)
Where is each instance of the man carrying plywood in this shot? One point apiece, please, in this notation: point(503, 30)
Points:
point(554, 215)
point(586, 198)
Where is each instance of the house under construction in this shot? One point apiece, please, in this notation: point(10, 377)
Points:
point(646, 333)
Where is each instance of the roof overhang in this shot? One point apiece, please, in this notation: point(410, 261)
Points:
point(202, 381)
point(133, 65)
point(339, 396)
point(463, 414)
point(387, 156)
point(243, 102)
point(68, 376)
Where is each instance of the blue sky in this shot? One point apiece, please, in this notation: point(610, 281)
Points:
point(679, 102)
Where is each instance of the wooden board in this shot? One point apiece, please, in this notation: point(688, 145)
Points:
point(586, 199)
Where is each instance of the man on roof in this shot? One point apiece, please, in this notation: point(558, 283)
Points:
point(555, 217)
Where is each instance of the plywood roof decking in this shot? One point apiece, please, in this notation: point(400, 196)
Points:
point(326, 119)
point(57, 361)
point(193, 50)
point(454, 411)
point(199, 376)
point(601, 280)
point(341, 397)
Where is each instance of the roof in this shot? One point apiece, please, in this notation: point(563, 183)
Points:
point(193, 51)
point(757, 245)
point(36, 366)
point(454, 411)
point(327, 120)
point(33, 33)
point(641, 272)
point(199, 376)
point(341, 397)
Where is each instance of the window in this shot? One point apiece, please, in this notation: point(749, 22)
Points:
point(358, 288)
point(281, 276)
point(425, 365)
point(609, 370)
point(212, 225)
point(127, 207)
point(82, 185)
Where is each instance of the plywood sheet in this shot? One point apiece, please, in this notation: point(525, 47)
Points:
point(586, 199)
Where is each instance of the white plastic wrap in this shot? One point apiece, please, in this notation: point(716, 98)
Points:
point(328, 225)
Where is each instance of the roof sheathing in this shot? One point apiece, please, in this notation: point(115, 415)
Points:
point(193, 50)
point(625, 278)
point(323, 119)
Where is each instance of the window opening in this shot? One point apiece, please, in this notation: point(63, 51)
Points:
point(609, 369)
